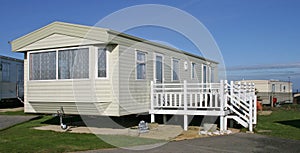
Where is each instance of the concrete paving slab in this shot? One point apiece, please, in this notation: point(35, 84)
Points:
point(163, 132)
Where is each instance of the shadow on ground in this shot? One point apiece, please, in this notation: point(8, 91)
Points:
point(12, 103)
point(127, 121)
point(294, 123)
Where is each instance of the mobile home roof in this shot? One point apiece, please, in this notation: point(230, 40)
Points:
point(84, 32)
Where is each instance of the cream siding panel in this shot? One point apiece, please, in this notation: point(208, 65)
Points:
point(58, 40)
point(79, 31)
point(114, 75)
point(27, 106)
point(134, 94)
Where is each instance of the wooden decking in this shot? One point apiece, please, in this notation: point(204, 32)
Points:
point(229, 101)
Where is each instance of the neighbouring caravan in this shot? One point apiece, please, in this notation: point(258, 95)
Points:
point(11, 78)
point(97, 71)
point(269, 91)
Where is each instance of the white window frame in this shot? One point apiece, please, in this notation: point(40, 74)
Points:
point(57, 50)
point(193, 69)
point(172, 64)
point(154, 67)
point(135, 64)
point(96, 63)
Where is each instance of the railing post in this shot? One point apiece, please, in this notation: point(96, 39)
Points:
point(226, 92)
point(255, 105)
point(231, 91)
point(255, 111)
point(250, 114)
point(185, 117)
point(152, 102)
point(222, 104)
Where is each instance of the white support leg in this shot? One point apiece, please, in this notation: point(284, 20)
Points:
point(225, 123)
point(185, 124)
point(221, 123)
point(152, 118)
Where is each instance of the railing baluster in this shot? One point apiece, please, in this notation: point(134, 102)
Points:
point(196, 100)
point(170, 99)
point(175, 100)
point(191, 98)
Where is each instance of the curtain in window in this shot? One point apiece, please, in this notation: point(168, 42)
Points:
point(141, 65)
point(175, 69)
point(159, 68)
point(73, 63)
point(43, 66)
point(102, 62)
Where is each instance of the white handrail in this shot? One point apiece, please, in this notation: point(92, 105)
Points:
point(238, 97)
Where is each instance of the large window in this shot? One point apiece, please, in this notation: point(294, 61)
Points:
point(102, 63)
point(5, 71)
point(175, 69)
point(42, 66)
point(193, 70)
point(73, 63)
point(59, 64)
point(140, 65)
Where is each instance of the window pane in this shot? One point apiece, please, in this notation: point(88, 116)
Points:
point(175, 69)
point(204, 73)
point(42, 66)
point(141, 71)
point(140, 57)
point(5, 71)
point(159, 68)
point(73, 63)
point(20, 71)
point(193, 70)
point(102, 62)
point(141, 65)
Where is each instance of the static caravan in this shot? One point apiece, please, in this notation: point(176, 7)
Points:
point(97, 71)
point(11, 78)
point(269, 90)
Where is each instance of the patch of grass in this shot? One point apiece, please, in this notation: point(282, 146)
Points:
point(22, 138)
point(14, 113)
point(284, 122)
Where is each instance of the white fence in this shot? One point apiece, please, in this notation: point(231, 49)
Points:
point(229, 101)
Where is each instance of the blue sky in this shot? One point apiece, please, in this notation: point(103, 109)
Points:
point(259, 39)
